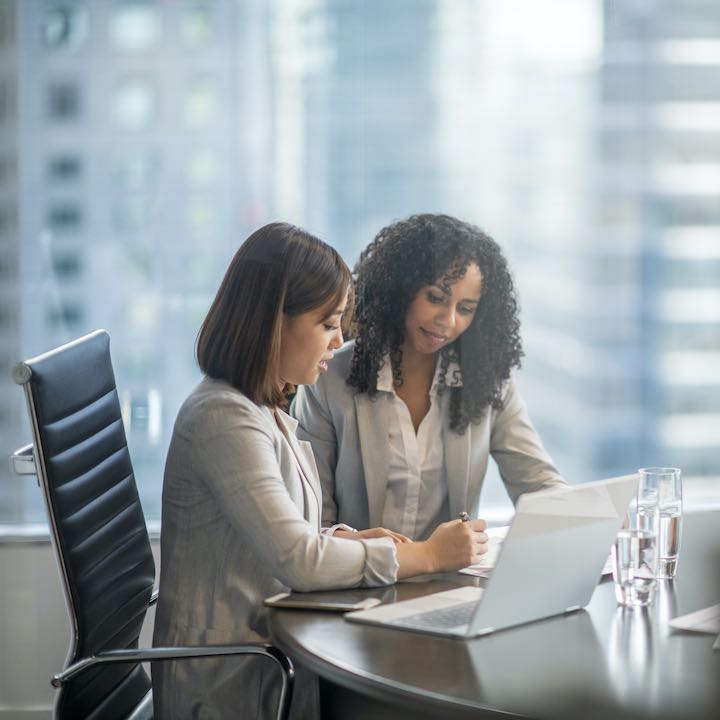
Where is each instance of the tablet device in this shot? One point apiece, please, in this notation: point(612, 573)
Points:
point(338, 601)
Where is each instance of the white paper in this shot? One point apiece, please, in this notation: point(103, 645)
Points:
point(706, 620)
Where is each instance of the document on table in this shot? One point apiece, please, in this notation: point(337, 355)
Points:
point(706, 620)
point(496, 535)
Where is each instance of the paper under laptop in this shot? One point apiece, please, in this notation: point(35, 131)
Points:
point(549, 563)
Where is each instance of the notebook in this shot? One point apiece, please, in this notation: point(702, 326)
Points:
point(549, 563)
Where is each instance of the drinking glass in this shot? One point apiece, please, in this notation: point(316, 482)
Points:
point(659, 507)
point(634, 564)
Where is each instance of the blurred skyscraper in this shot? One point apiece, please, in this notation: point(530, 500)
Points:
point(134, 156)
point(357, 113)
point(624, 318)
point(11, 408)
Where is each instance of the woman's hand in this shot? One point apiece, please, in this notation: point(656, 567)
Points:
point(453, 545)
point(377, 532)
point(457, 544)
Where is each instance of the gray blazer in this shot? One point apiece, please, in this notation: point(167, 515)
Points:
point(348, 432)
point(240, 523)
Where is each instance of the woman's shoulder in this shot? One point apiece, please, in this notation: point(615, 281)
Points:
point(215, 403)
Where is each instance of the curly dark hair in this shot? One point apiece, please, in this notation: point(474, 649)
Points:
point(403, 258)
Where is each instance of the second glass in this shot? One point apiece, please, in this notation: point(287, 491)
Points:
point(634, 556)
point(659, 508)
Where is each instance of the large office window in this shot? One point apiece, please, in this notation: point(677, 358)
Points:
point(141, 142)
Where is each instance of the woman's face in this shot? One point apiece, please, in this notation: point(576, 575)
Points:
point(440, 313)
point(308, 341)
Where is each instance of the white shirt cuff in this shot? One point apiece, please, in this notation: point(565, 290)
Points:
point(381, 564)
point(340, 526)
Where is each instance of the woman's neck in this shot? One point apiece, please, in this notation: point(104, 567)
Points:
point(417, 366)
point(417, 372)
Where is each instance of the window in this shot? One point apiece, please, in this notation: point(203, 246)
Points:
point(136, 170)
point(7, 103)
point(67, 266)
point(67, 314)
point(135, 103)
point(66, 27)
point(200, 106)
point(7, 170)
point(201, 169)
point(65, 168)
point(131, 214)
point(196, 27)
point(201, 216)
point(4, 221)
point(63, 101)
point(134, 26)
point(8, 267)
point(64, 218)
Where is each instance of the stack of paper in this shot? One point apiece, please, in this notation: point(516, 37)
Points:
point(706, 620)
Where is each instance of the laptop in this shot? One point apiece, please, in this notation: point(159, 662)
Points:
point(549, 564)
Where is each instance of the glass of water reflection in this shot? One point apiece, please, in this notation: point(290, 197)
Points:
point(659, 508)
point(634, 565)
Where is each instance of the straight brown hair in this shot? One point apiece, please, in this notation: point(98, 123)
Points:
point(279, 270)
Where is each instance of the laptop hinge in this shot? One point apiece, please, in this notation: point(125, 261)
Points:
point(484, 631)
point(572, 608)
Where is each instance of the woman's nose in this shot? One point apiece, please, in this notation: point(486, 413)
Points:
point(337, 340)
point(446, 317)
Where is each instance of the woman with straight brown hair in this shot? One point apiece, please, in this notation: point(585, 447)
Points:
point(241, 495)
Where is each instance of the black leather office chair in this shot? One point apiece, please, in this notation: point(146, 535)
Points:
point(98, 532)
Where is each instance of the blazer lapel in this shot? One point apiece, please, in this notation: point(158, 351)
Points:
point(457, 462)
point(306, 460)
point(373, 432)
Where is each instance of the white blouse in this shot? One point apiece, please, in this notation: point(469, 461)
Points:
point(416, 500)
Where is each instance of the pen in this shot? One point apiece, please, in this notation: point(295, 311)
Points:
point(464, 516)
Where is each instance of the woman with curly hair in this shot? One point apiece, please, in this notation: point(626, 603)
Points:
point(241, 498)
point(404, 422)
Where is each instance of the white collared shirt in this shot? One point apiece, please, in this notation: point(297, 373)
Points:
point(416, 499)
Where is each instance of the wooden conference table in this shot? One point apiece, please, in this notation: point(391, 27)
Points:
point(600, 662)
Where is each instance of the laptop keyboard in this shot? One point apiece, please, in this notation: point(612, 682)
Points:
point(440, 619)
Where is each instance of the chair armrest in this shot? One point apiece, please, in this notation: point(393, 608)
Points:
point(184, 653)
point(22, 461)
point(170, 653)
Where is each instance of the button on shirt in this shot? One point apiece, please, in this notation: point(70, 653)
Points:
point(416, 499)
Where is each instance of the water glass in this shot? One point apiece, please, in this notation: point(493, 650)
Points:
point(659, 507)
point(634, 564)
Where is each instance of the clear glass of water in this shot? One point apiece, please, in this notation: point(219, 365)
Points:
point(634, 563)
point(659, 507)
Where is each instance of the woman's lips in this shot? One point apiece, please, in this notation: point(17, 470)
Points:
point(434, 337)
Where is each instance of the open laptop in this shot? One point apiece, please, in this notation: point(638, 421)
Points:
point(549, 564)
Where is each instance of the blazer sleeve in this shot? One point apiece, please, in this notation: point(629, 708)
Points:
point(523, 462)
point(237, 459)
point(310, 408)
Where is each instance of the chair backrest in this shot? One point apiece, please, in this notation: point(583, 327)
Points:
point(96, 520)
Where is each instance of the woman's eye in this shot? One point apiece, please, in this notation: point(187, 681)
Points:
point(466, 310)
point(434, 298)
point(330, 328)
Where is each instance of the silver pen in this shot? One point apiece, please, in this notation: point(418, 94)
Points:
point(464, 516)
